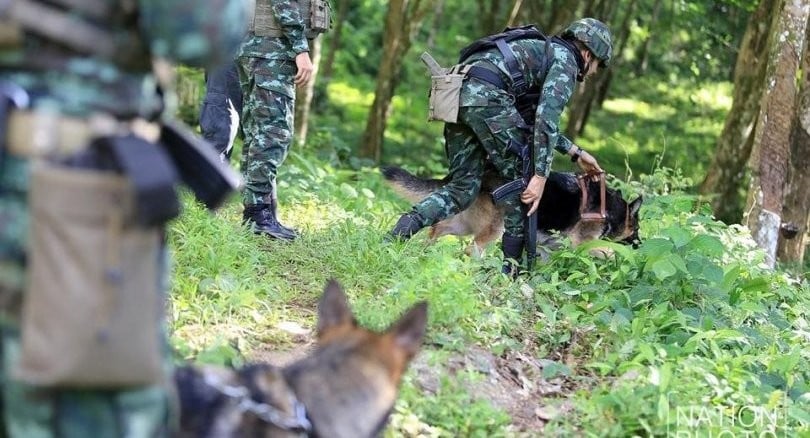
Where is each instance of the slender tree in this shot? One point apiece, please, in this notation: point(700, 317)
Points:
point(304, 95)
point(727, 173)
point(402, 21)
point(335, 40)
point(769, 157)
point(796, 211)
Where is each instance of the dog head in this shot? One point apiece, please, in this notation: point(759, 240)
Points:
point(345, 388)
point(622, 219)
point(349, 383)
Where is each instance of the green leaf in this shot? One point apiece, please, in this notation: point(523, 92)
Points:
point(709, 246)
point(654, 248)
point(348, 191)
point(664, 269)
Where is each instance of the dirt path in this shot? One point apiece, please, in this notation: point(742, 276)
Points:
point(513, 383)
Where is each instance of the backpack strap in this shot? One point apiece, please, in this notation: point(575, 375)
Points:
point(518, 80)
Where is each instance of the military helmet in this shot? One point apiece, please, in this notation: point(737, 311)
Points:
point(596, 37)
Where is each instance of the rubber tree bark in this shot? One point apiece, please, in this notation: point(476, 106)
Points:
point(771, 151)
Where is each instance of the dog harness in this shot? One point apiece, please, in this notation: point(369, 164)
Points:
point(296, 423)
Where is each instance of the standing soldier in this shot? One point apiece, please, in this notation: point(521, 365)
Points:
point(508, 111)
point(273, 59)
point(82, 167)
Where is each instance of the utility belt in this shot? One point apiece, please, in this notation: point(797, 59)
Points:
point(100, 193)
point(316, 15)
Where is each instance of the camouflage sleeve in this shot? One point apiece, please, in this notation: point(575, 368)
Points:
point(557, 90)
point(288, 15)
point(201, 33)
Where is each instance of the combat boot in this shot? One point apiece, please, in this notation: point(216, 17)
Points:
point(407, 225)
point(512, 247)
point(262, 221)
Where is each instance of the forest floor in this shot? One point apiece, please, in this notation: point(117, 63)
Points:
point(513, 383)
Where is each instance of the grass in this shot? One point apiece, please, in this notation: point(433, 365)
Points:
point(689, 334)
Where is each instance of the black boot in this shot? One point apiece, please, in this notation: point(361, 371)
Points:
point(263, 221)
point(273, 207)
point(407, 225)
point(512, 247)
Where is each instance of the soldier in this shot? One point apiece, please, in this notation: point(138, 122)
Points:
point(273, 59)
point(74, 74)
point(490, 127)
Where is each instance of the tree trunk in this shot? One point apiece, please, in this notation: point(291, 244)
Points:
point(585, 95)
point(644, 50)
point(562, 14)
point(303, 95)
point(796, 211)
point(438, 14)
point(402, 20)
point(513, 13)
point(769, 158)
point(727, 173)
point(334, 41)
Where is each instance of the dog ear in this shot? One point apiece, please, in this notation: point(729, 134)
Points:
point(410, 329)
point(635, 206)
point(333, 310)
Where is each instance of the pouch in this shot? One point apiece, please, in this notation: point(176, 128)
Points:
point(320, 19)
point(445, 92)
point(91, 314)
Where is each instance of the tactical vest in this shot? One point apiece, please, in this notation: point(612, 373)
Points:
point(95, 28)
point(314, 13)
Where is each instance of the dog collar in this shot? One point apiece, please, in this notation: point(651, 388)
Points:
point(297, 422)
point(583, 206)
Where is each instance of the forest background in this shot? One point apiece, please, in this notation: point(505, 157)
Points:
point(705, 111)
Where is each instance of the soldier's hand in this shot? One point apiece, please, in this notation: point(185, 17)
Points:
point(533, 193)
point(304, 64)
point(589, 165)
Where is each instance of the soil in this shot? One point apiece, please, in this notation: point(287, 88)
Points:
point(513, 383)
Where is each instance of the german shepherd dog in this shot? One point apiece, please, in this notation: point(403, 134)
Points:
point(345, 388)
point(559, 210)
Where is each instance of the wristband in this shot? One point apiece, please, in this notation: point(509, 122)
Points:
point(575, 155)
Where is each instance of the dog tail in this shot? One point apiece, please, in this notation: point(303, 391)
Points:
point(408, 185)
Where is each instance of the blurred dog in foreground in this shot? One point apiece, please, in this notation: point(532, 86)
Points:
point(345, 388)
point(559, 211)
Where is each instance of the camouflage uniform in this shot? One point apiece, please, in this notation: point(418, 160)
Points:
point(203, 33)
point(266, 72)
point(488, 121)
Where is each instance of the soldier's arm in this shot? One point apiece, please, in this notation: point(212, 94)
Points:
point(202, 33)
point(556, 91)
point(288, 16)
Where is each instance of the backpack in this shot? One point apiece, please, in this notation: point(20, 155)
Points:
point(525, 97)
point(509, 34)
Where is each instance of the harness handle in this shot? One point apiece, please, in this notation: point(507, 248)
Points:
point(583, 206)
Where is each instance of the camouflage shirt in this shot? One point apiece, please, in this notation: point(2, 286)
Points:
point(294, 41)
point(198, 33)
point(556, 90)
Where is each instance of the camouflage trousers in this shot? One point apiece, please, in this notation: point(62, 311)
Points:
point(34, 411)
point(482, 135)
point(267, 122)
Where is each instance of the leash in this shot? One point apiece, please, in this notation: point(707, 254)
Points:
point(298, 422)
point(592, 216)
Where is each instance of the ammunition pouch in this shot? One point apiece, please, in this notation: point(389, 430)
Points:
point(445, 94)
point(92, 309)
point(316, 14)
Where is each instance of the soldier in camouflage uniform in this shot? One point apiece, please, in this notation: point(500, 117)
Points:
point(71, 82)
point(269, 69)
point(489, 122)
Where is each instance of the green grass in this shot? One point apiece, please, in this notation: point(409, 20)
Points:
point(690, 320)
